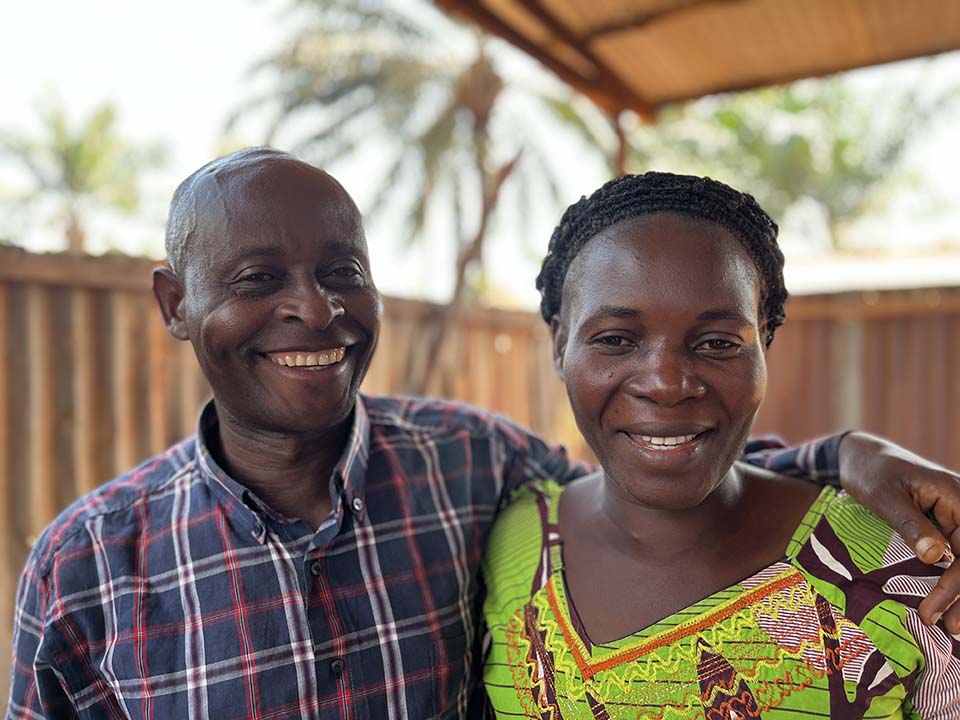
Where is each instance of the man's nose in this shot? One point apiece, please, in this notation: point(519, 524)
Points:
point(665, 376)
point(312, 304)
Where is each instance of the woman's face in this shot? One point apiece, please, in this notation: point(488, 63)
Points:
point(659, 344)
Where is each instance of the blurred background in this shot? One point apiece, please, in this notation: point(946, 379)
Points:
point(463, 129)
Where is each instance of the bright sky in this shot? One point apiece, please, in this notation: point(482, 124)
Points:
point(176, 69)
point(173, 69)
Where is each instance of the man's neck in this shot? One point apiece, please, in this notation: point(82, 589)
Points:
point(290, 472)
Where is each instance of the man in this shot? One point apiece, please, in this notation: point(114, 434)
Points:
point(310, 553)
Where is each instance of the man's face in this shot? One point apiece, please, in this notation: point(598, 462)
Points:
point(277, 297)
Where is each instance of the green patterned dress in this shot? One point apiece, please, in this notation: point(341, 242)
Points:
point(829, 631)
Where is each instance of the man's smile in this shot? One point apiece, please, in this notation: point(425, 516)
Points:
point(308, 359)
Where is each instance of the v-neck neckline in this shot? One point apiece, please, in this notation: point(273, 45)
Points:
point(595, 657)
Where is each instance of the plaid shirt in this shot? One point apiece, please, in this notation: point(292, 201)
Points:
point(173, 592)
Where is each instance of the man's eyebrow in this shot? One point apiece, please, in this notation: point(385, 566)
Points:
point(263, 251)
point(723, 314)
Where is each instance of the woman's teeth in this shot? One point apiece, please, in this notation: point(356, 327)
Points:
point(310, 359)
point(667, 441)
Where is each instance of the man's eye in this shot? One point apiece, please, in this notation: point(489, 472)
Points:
point(256, 277)
point(718, 345)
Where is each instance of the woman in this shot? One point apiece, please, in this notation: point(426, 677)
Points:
point(677, 582)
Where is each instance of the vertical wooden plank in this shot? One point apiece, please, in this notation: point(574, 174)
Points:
point(126, 435)
point(159, 350)
point(483, 386)
point(521, 408)
point(934, 386)
point(187, 380)
point(873, 374)
point(84, 361)
point(952, 392)
point(845, 376)
point(42, 411)
point(8, 577)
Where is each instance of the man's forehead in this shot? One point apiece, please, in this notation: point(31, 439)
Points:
point(267, 203)
point(275, 179)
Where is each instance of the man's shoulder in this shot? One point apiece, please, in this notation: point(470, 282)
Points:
point(144, 486)
point(434, 416)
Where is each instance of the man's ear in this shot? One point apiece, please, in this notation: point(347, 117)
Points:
point(169, 292)
point(559, 334)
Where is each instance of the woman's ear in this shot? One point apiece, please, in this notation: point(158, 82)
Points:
point(169, 291)
point(558, 332)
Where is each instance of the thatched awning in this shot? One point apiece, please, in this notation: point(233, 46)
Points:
point(640, 54)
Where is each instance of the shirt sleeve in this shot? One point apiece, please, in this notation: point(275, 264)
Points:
point(935, 695)
point(37, 689)
point(817, 461)
point(529, 458)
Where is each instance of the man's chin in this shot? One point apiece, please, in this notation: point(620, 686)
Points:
point(307, 417)
point(300, 415)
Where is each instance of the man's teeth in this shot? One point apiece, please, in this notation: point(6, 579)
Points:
point(667, 441)
point(310, 359)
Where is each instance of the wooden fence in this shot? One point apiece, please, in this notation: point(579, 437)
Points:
point(90, 382)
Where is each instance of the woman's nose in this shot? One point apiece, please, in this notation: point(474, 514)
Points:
point(666, 378)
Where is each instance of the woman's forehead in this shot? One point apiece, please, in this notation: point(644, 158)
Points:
point(662, 254)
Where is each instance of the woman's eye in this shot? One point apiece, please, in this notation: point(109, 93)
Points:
point(347, 275)
point(718, 345)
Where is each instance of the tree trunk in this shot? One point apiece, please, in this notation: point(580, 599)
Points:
point(426, 361)
point(75, 235)
point(623, 147)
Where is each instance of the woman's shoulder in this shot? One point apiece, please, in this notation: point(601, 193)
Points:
point(862, 567)
point(531, 506)
point(514, 551)
point(842, 538)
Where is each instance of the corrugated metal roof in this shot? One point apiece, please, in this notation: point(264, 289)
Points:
point(640, 54)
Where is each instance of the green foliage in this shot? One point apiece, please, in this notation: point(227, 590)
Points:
point(430, 92)
point(816, 139)
point(90, 163)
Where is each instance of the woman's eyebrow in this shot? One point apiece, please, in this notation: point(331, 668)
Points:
point(723, 314)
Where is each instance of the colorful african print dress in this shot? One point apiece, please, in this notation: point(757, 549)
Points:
point(830, 631)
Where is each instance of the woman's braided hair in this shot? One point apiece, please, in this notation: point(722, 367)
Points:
point(701, 198)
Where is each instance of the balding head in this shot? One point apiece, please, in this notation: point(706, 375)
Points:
point(202, 200)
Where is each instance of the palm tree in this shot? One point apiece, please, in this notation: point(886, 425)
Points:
point(434, 94)
point(89, 164)
point(819, 140)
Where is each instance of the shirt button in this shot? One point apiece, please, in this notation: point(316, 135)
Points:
point(316, 567)
point(358, 504)
point(336, 666)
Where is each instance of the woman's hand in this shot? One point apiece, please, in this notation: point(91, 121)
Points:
point(900, 487)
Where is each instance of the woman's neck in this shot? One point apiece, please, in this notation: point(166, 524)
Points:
point(665, 533)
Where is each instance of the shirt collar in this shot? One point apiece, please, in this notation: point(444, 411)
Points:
point(348, 482)
point(351, 470)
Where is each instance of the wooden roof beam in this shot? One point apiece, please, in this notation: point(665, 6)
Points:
point(603, 88)
point(639, 20)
